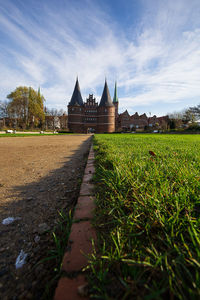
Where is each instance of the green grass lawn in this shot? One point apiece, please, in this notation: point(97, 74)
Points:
point(147, 217)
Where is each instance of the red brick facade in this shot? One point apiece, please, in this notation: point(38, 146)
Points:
point(125, 122)
point(93, 117)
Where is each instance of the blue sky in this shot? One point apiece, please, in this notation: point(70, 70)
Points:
point(151, 47)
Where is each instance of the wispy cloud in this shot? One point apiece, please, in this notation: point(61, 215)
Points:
point(52, 44)
point(166, 57)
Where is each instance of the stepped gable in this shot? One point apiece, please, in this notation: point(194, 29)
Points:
point(143, 116)
point(125, 113)
point(76, 96)
point(106, 99)
point(135, 115)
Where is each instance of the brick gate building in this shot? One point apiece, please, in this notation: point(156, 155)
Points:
point(91, 116)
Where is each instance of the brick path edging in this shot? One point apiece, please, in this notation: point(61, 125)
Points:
point(80, 240)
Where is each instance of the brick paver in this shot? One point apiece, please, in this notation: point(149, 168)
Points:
point(68, 288)
point(89, 169)
point(81, 241)
point(84, 208)
point(81, 244)
point(86, 189)
point(87, 177)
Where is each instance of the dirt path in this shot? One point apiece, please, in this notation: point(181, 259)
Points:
point(38, 177)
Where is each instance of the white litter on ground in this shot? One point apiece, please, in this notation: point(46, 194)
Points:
point(9, 220)
point(21, 259)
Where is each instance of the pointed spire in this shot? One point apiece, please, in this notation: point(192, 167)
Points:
point(105, 98)
point(76, 96)
point(115, 98)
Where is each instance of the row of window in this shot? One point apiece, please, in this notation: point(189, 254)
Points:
point(91, 111)
point(73, 109)
point(91, 102)
point(90, 119)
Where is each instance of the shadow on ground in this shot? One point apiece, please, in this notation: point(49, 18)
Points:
point(37, 207)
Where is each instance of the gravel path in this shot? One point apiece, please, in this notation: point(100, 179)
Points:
point(38, 176)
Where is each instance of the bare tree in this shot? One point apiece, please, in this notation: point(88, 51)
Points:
point(54, 112)
point(195, 111)
point(4, 111)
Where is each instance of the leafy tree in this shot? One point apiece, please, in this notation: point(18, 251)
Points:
point(36, 108)
point(195, 111)
point(176, 119)
point(189, 116)
point(172, 123)
point(27, 105)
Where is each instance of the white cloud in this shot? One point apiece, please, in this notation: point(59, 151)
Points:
point(161, 64)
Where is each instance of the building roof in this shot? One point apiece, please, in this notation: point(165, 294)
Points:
point(115, 98)
point(135, 115)
point(125, 113)
point(143, 116)
point(105, 98)
point(76, 96)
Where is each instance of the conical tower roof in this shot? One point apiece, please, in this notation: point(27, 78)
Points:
point(115, 98)
point(76, 96)
point(105, 98)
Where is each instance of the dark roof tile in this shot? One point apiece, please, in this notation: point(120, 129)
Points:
point(76, 96)
point(106, 99)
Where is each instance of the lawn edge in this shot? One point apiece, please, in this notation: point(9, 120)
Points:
point(81, 241)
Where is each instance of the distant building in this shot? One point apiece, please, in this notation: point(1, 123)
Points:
point(56, 122)
point(90, 116)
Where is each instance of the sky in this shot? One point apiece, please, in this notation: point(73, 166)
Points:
point(150, 47)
